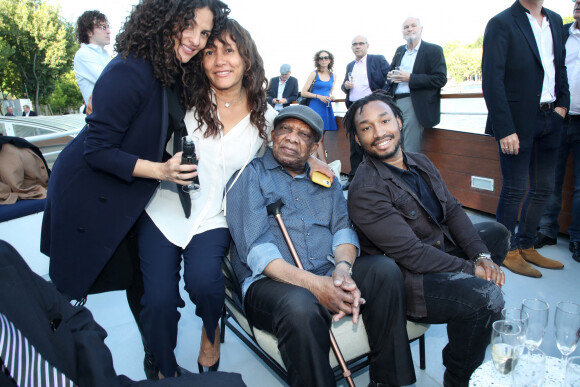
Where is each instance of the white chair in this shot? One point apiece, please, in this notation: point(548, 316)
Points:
point(352, 339)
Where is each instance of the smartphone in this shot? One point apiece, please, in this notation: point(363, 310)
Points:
point(321, 178)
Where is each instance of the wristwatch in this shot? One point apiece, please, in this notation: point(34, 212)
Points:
point(482, 256)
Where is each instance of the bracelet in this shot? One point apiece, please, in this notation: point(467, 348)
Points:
point(347, 263)
point(480, 257)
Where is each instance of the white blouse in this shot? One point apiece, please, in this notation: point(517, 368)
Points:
point(219, 158)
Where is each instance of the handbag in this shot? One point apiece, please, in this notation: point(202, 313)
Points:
point(305, 100)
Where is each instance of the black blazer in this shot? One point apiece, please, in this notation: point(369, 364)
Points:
point(377, 70)
point(67, 336)
point(513, 74)
point(31, 114)
point(429, 75)
point(290, 90)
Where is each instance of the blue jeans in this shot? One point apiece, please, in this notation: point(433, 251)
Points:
point(570, 143)
point(204, 282)
point(535, 162)
point(468, 305)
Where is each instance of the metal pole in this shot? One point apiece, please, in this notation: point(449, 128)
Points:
point(274, 209)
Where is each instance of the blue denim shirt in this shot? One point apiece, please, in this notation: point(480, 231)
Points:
point(316, 218)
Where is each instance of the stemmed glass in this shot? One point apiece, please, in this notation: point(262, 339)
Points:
point(349, 75)
point(505, 337)
point(538, 312)
point(567, 324)
point(530, 369)
point(519, 316)
point(572, 376)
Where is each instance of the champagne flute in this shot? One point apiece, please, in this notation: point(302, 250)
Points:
point(567, 324)
point(349, 75)
point(530, 368)
point(504, 340)
point(538, 312)
point(572, 377)
point(519, 316)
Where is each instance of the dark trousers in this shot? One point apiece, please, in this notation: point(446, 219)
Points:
point(301, 324)
point(535, 162)
point(356, 156)
point(160, 265)
point(570, 143)
point(468, 305)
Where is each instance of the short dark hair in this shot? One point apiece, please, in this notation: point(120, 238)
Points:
point(317, 64)
point(377, 95)
point(86, 22)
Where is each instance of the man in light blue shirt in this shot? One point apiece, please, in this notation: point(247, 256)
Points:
point(297, 305)
point(93, 34)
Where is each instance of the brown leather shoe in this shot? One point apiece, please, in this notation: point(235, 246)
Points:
point(532, 256)
point(515, 263)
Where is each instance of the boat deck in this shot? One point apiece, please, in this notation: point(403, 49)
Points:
point(111, 311)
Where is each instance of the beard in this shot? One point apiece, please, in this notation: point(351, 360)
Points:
point(388, 154)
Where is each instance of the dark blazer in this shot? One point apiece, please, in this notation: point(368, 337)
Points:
point(31, 114)
point(377, 69)
point(290, 90)
point(429, 75)
point(93, 199)
point(67, 336)
point(513, 74)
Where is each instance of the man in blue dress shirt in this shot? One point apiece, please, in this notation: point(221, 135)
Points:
point(296, 305)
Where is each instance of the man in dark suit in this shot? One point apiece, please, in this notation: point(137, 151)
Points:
point(419, 72)
point(570, 143)
point(364, 75)
point(27, 112)
point(65, 336)
point(9, 111)
point(282, 90)
point(525, 87)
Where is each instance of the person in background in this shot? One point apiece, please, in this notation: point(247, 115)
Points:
point(364, 75)
point(282, 90)
point(27, 112)
point(9, 111)
point(321, 94)
point(525, 87)
point(103, 179)
point(93, 34)
point(416, 81)
point(570, 143)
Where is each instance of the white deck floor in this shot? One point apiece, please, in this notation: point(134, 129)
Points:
point(111, 311)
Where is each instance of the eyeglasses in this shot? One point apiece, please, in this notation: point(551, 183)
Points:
point(323, 58)
point(359, 44)
point(103, 27)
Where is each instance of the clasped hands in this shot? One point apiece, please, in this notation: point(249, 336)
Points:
point(172, 170)
point(486, 269)
point(339, 294)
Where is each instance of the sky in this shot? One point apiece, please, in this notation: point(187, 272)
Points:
point(293, 31)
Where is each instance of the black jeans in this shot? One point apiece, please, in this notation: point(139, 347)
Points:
point(301, 324)
point(468, 305)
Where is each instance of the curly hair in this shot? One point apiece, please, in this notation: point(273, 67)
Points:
point(149, 33)
point(357, 106)
point(86, 22)
point(317, 64)
point(254, 82)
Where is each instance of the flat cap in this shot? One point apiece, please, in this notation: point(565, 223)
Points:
point(285, 68)
point(304, 114)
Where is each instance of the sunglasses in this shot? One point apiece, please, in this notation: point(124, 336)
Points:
point(323, 57)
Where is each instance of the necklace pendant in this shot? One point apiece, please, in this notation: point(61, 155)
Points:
point(227, 104)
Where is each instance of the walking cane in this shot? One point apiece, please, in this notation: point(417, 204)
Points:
point(274, 210)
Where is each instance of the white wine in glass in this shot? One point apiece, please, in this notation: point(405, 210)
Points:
point(567, 324)
point(504, 341)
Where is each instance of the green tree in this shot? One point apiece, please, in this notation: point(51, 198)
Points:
point(568, 19)
point(66, 95)
point(464, 61)
point(39, 48)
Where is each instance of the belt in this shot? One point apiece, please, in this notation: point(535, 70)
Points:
point(402, 95)
point(545, 106)
point(573, 117)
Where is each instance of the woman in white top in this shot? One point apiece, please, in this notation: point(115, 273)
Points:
point(229, 125)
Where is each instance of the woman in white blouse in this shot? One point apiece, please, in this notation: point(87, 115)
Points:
point(230, 125)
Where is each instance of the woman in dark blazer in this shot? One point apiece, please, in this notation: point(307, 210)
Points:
point(104, 178)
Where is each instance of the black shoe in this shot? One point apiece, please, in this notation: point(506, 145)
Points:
point(575, 249)
point(543, 240)
point(151, 370)
point(372, 383)
point(213, 368)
